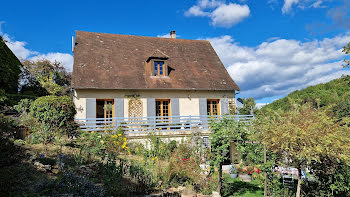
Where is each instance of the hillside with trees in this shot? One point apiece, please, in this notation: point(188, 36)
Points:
point(324, 95)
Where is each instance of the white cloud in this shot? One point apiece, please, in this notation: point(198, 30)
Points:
point(229, 15)
point(280, 66)
point(288, 5)
point(64, 58)
point(302, 4)
point(221, 14)
point(167, 36)
point(23, 53)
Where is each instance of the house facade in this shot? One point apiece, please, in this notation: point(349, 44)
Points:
point(135, 76)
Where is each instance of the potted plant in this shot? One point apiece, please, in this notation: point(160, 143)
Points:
point(233, 172)
point(245, 172)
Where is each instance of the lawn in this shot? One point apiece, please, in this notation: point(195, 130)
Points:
point(235, 187)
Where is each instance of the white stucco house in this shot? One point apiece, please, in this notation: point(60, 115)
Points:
point(124, 76)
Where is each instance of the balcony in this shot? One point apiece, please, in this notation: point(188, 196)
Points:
point(165, 124)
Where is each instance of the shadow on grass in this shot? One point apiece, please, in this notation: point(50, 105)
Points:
point(18, 177)
point(236, 187)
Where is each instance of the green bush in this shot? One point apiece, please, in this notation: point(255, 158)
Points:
point(23, 106)
point(56, 114)
point(8, 126)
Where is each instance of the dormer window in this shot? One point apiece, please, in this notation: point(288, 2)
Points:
point(158, 68)
point(156, 64)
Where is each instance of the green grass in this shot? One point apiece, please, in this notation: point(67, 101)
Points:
point(236, 187)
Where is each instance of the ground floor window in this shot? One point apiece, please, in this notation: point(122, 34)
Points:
point(104, 108)
point(213, 107)
point(162, 107)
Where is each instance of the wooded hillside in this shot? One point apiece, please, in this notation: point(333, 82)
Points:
point(322, 95)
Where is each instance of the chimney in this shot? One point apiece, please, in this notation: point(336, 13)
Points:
point(173, 34)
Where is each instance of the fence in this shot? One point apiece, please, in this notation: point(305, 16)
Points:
point(154, 123)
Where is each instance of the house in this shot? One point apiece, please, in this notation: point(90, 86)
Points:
point(124, 76)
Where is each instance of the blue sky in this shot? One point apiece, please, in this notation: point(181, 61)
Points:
point(270, 48)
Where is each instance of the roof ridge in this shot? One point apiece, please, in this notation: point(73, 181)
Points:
point(127, 35)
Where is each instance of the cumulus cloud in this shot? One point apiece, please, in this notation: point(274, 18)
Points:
point(279, 66)
point(23, 53)
point(221, 14)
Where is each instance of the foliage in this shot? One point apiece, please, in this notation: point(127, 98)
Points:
point(33, 128)
point(183, 166)
point(223, 132)
point(303, 135)
point(70, 184)
point(8, 126)
point(126, 178)
point(10, 68)
point(42, 77)
point(346, 50)
point(332, 178)
point(23, 106)
point(342, 109)
point(158, 148)
point(236, 187)
point(56, 115)
point(3, 97)
point(99, 145)
point(321, 95)
point(249, 107)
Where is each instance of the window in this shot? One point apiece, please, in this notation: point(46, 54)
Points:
point(158, 68)
point(105, 109)
point(162, 107)
point(213, 107)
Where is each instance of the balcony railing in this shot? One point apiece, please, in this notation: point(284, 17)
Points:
point(155, 123)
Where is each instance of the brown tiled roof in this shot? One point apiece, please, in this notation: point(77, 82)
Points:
point(113, 61)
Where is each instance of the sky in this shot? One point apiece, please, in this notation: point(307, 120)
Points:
point(269, 47)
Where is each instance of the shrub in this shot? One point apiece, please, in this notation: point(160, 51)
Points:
point(8, 126)
point(70, 184)
point(23, 106)
point(184, 166)
point(56, 114)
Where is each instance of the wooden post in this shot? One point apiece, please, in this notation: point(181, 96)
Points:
point(265, 175)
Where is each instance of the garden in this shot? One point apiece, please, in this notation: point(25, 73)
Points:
point(297, 146)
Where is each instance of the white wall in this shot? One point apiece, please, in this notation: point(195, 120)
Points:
point(80, 105)
point(188, 100)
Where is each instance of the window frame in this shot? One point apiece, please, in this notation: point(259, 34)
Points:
point(160, 66)
point(161, 107)
point(165, 67)
point(210, 111)
point(104, 111)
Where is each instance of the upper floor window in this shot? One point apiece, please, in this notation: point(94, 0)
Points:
point(158, 68)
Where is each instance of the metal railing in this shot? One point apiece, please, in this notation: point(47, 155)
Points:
point(154, 123)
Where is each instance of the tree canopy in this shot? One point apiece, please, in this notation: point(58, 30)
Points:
point(303, 135)
point(10, 68)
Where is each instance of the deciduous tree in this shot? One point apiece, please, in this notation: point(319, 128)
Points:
point(303, 135)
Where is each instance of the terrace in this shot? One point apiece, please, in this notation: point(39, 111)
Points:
point(144, 125)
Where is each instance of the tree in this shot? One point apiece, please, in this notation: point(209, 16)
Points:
point(248, 107)
point(346, 50)
point(10, 68)
point(303, 135)
point(43, 77)
point(222, 133)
